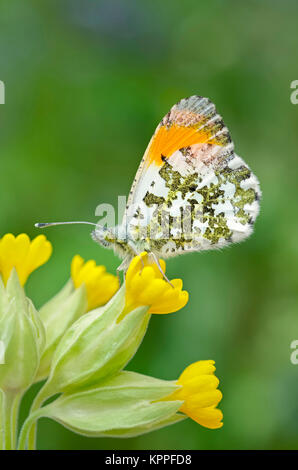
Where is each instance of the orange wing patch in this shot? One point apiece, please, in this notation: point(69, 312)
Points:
point(166, 141)
point(191, 121)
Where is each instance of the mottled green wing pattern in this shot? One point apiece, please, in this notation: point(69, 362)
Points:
point(192, 192)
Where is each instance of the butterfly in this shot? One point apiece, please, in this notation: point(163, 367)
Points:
point(192, 192)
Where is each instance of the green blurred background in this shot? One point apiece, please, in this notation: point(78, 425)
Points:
point(86, 84)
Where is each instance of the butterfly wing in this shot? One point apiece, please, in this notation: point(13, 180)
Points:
point(191, 192)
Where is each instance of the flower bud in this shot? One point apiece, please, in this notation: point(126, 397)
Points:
point(125, 405)
point(22, 335)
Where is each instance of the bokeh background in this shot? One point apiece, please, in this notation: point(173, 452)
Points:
point(86, 84)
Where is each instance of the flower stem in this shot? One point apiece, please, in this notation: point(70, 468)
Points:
point(1, 420)
point(10, 413)
point(29, 429)
point(32, 433)
point(14, 419)
point(30, 421)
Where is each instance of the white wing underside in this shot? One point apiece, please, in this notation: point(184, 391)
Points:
point(199, 197)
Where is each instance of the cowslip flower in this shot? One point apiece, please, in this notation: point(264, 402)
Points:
point(79, 352)
point(100, 285)
point(145, 286)
point(200, 394)
point(23, 255)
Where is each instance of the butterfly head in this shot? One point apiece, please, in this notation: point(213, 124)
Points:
point(104, 236)
point(109, 238)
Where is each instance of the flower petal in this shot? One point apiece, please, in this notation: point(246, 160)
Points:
point(22, 254)
point(145, 286)
point(197, 368)
point(100, 285)
point(208, 417)
point(198, 390)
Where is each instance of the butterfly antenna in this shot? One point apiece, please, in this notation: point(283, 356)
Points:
point(50, 224)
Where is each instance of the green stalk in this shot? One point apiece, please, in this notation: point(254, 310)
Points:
point(30, 421)
point(29, 429)
point(15, 419)
point(10, 413)
point(1, 420)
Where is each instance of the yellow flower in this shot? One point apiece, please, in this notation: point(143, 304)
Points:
point(23, 255)
point(200, 394)
point(100, 285)
point(145, 285)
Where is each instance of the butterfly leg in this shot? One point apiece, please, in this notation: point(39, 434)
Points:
point(156, 260)
point(135, 253)
point(126, 262)
point(123, 266)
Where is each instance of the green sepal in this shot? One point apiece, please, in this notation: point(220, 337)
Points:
point(97, 345)
point(23, 336)
point(4, 301)
point(139, 430)
point(122, 406)
point(57, 315)
point(39, 326)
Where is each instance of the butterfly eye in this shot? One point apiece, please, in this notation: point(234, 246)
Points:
point(103, 236)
